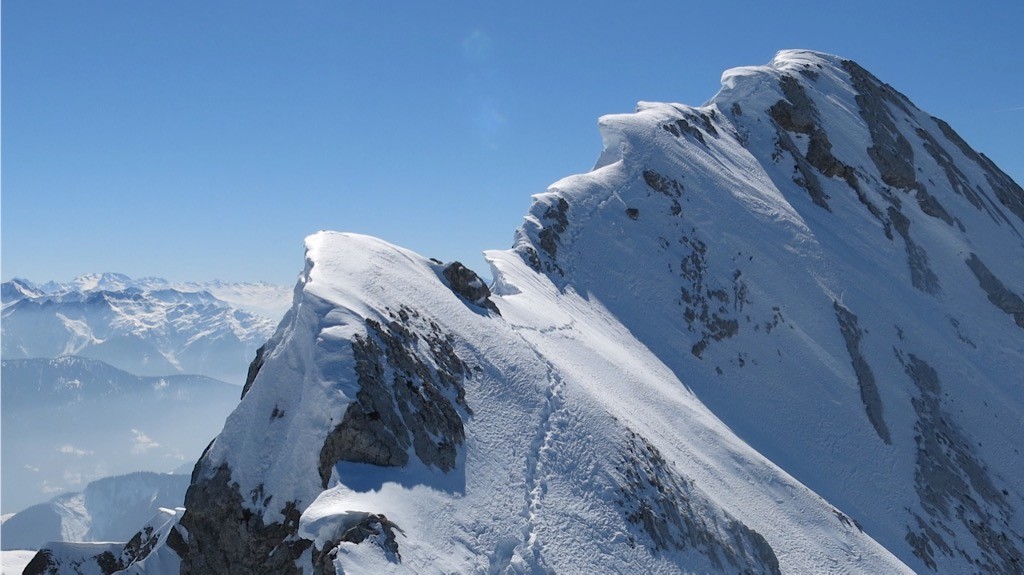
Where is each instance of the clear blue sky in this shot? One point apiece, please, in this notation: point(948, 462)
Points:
point(205, 139)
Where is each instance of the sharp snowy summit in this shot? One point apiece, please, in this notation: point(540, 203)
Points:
point(778, 333)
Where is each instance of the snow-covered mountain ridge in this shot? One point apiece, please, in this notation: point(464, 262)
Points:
point(777, 333)
point(261, 298)
point(108, 509)
point(148, 327)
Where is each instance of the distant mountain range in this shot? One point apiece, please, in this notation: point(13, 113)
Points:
point(147, 327)
point(71, 420)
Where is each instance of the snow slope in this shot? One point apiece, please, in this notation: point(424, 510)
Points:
point(777, 333)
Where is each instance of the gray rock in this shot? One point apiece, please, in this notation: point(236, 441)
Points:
point(556, 221)
point(852, 334)
point(676, 515)
point(464, 282)
point(997, 292)
point(254, 369)
point(227, 538)
point(921, 275)
point(954, 487)
point(403, 400)
point(890, 150)
point(1007, 191)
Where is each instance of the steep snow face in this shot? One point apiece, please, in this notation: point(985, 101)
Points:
point(392, 423)
point(147, 327)
point(765, 335)
point(812, 246)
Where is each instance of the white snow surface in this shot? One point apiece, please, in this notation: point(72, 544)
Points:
point(561, 386)
point(14, 562)
point(828, 373)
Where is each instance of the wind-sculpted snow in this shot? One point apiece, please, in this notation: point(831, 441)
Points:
point(688, 366)
point(725, 236)
point(390, 426)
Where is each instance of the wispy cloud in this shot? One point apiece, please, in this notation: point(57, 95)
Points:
point(143, 443)
point(46, 488)
point(72, 450)
point(1013, 109)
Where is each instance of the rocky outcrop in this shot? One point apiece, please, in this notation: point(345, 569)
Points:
point(675, 515)
point(464, 282)
point(869, 395)
point(225, 537)
point(402, 401)
point(254, 369)
point(954, 487)
point(375, 529)
point(554, 221)
point(996, 290)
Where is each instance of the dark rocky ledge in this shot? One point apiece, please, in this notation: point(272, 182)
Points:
point(464, 282)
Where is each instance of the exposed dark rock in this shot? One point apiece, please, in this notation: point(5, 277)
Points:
point(228, 538)
point(402, 400)
point(663, 184)
point(633, 213)
point(957, 180)
point(997, 292)
point(254, 369)
point(532, 259)
point(557, 217)
point(797, 113)
point(42, 563)
point(676, 515)
point(554, 221)
point(1007, 191)
point(890, 150)
point(176, 542)
point(953, 485)
point(921, 275)
point(88, 558)
point(464, 282)
point(706, 308)
point(377, 529)
point(806, 177)
point(685, 125)
point(139, 546)
point(852, 334)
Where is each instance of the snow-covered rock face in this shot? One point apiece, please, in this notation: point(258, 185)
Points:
point(765, 335)
point(811, 245)
point(147, 327)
